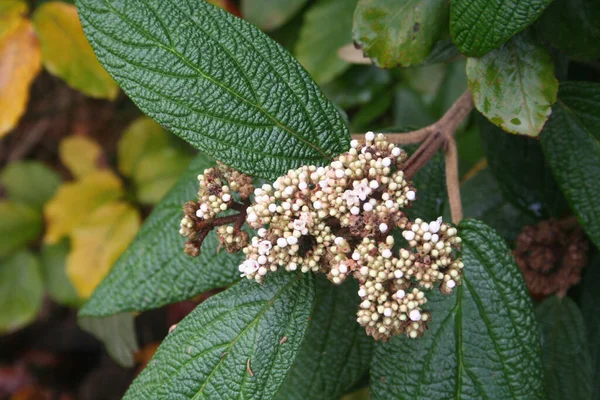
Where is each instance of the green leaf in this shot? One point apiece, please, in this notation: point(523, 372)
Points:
point(573, 26)
point(514, 86)
point(430, 182)
point(483, 340)
point(399, 33)
point(519, 166)
point(570, 143)
point(270, 14)
point(479, 26)
point(327, 27)
point(409, 108)
point(590, 308)
point(20, 225)
point(154, 271)
point(567, 360)
point(21, 291)
point(216, 81)
point(336, 352)
point(359, 85)
point(54, 264)
point(143, 136)
point(117, 333)
point(470, 151)
point(230, 346)
point(29, 182)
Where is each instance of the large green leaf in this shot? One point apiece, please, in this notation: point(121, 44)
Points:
point(336, 352)
point(479, 26)
point(231, 346)
point(29, 182)
point(399, 33)
point(270, 14)
point(216, 81)
point(483, 340)
point(590, 308)
point(566, 356)
point(21, 290)
point(154, 271)
point(570, 143)
point(327, 27)
point(573, 26)
point(514, 86)
point(518, 164)
point(20, 225)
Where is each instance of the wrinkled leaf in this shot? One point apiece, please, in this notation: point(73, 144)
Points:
point(270, 14)
point(74, 201)
point(245, 101)
point(336, 352)
point(154, 271)
point(229, 346)
point(482, 341)
point(399, 33)
point(327, 27)
point(570, 143)
point(54, 272)
point(514, 86)
point(19, 225)
point(20, 62)
point(590, 308)
point(67, 53)
point(21, 290)
point(479, 26)
point(80, 155)
point(98, 242)
point(566, 356)
point(117, 332)
point(29, 182)
point(142, 137)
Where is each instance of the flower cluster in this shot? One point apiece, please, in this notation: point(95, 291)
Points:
point(338, 220)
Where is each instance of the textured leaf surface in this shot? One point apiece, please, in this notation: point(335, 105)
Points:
point(117, 332)
point(270, 14)
point(21, 291)
point(399, 33)
point(20, 224)
point(216, 81)
point(566, 356)
point(154, 271)
point(98, 242)
point(29, 182)
point(514, 86)
point(67, 53)
point(327, 27)
point(80, 155)
point(54, 271)
point(570, 143)
point(519, 166)
point(229, 346)
point(590, 308)
point(479, 26)
point(336, 352)
point(483, 341)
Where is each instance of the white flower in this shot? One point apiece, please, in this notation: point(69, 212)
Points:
point(249, 266)
point(264, 247)
point(350, 197)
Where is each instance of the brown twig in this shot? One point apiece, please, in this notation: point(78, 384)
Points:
point(452, 180)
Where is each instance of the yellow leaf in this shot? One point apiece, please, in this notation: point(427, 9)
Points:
point(67, 53)
point(11, 13)
point(75, 201)
point(20, 62)
point(98, 243)
point(143, 136)
point(80, 155)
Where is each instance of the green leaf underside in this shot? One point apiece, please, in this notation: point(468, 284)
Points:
point(521, 170)
point(567, 360)
point(482, 342)
point(117, 333)
point(394, 33)
point(514, 86)
point(327, 27)
point(479, 26)
point(570, 143)
point(154, 271)
point(336, 352)
point(229, 346)
point(216, 81)
point(590, 308)
point(270, 14)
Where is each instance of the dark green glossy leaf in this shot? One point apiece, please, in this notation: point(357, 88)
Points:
point(483, 340)
point(270, 14)
point(570, 143)
point(479, 26)
point(399, 33)
point(327, 27)
point(336, 352)
point(590, 308)
point(514, 86)
point(58, 285)
point(117, 333)
point(154, 271)
point(20, 225)
point(216, 81)
point(29, 182)
point(566, 356)
point(230, 346)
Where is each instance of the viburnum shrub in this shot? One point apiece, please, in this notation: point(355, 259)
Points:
point(345, 257)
